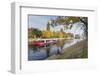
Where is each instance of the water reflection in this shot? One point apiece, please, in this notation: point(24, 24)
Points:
point(49, 50)
point(37, 54)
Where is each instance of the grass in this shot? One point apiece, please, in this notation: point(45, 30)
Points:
point(85, 53)
point(74, 52)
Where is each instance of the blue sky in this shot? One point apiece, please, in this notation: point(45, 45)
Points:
point(39, 22)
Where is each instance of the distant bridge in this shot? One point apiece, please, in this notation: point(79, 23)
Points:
point(46, 39)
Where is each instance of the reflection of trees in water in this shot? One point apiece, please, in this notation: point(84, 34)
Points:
point(60, 43)
point(50, 49)
point(56, 47)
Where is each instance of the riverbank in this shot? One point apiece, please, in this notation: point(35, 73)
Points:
point(78, 50)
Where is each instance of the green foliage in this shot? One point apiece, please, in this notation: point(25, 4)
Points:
point(37, 32)
point(85, 53)
point(73, 19)
point(34, 33)
point(30, 33)
point(66, 20)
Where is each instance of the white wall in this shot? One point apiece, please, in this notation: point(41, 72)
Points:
point(5, 33)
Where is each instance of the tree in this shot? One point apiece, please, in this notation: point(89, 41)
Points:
point(85, 21)
point(66, 21)
point(47, 33)
point(37, 32)
point(48, 26)
point(30, 33)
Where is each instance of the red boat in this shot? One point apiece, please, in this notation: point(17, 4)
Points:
point(38, 43)
point(42, 43)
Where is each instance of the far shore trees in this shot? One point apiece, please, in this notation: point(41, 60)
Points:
point(34, 33)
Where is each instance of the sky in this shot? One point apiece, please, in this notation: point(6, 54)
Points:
point(39, 22)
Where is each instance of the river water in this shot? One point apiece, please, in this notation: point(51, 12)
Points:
point(54, 49)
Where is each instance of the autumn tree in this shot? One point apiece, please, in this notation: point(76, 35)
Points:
point(66, 20)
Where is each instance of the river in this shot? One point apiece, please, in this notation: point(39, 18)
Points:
point(53, 49)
